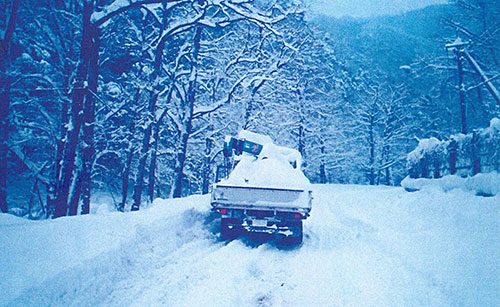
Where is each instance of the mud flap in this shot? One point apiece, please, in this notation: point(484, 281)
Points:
point(295, 238)
point(230, 228)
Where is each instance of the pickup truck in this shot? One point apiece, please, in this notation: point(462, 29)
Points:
point(249, 201)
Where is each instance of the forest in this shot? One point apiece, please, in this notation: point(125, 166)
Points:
point(133, 98)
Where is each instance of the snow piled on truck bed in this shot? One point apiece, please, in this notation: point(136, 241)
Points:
point(272, 168)
point(270, 173)
point(363, 246)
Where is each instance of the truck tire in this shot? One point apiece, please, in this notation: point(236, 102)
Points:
point(228, 233)
point(293, 240)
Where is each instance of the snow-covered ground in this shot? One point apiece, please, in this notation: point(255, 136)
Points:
point(487, 184)
point(363, 246)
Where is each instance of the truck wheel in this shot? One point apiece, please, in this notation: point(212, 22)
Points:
point(295, 238)
point(228, 233)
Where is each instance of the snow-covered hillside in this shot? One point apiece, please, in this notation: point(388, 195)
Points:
point(363, 246)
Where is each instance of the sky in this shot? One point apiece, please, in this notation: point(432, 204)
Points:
point(368, 8)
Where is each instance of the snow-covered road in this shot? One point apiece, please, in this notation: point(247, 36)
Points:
point(363, 246)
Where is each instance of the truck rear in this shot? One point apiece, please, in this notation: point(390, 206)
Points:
point(265, 193)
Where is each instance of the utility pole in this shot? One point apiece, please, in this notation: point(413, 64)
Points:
point(460, 49)
point(458, 46)
point(461, 89)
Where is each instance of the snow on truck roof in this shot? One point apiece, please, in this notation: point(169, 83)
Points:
point(255, 137)
point(272, 168)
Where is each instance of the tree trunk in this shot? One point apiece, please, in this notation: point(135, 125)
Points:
point(372, 151)
point(68, 166)
point(388, 176)
point(76, 189)
point(248, 113)
point(188, 124)
point(423, 167)
point(206, 166)
point(146, 146)
point(152, 171)
point(152, 165)
point(55, 181)
point(300, 142)
point(156, 137)
point(4, 137)
point(89, 125)
point(301, 146)
point(128, 163)
point(125, 178)
point(250, 106)
point(436, 168)
point(322, 167)
point(5, 44)
point(180, 162)
point(476, 161)
point(453, 157)
point(385, 155)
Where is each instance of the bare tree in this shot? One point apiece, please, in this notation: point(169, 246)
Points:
point(5, 82)
point(82, 105)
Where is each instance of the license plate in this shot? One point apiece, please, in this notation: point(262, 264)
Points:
point(259, 223)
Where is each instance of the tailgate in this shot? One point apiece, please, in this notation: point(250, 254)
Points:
point(260, 197)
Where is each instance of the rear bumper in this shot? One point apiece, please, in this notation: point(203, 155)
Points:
point(273, 229)
point(253, 212)
point(284, 227)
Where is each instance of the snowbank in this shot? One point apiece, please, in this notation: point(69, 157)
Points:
point(424, 146)
point(35, 251)
point(481, 184)
point(434, 147)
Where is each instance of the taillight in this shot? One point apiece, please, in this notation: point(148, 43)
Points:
point(222, 211)
point(297, 216)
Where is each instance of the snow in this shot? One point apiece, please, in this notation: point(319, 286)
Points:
point(433, 146)
point(482, 184)
point(113, 89)
point(495, 125)
point(209, 23)
point(69, 126)
point(456, 44)
point(33, 252)
point(363, 246)
point(26, 57)
point(270, 172)
point(424, 146)
point(113, 6)
point(254, 137)
point(272, 168)
point(493, 130)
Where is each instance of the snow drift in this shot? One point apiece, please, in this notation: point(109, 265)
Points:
point(487, 184)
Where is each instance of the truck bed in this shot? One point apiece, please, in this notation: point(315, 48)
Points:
point(261, 198)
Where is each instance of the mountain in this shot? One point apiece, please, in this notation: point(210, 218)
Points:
point(389, 41)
